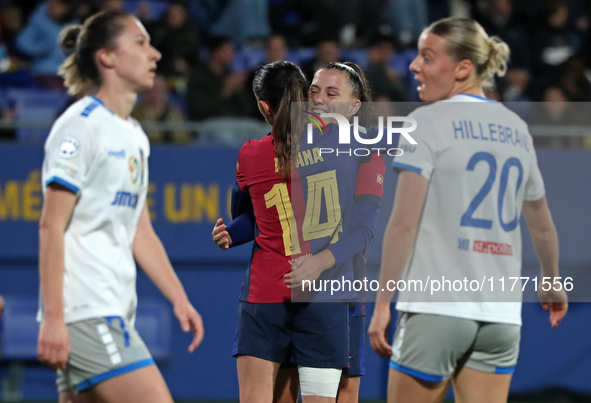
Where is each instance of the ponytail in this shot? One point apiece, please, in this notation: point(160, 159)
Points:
point(288, 125)
point(284, 87)
point(73, 80)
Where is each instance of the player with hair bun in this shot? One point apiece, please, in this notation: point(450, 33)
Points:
point(459, 198)
point(95, 222)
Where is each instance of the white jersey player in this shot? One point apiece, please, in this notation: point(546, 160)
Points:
point(460, 194)
point(95, 222)
point(109, 172)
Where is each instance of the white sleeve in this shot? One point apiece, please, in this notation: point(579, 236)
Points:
point(534, 187)
point(420, 157)
point(69, 153)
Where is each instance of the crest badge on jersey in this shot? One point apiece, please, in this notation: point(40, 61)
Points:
point(380, 179)
point(134, 169)
point(70, 147)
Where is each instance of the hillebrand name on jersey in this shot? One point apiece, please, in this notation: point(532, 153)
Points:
point(125, 199)
point(466, 129)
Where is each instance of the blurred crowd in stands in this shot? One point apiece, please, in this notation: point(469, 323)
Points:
point(211, 49)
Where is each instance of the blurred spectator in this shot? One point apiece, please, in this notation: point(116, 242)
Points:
point(554, 41)
point(516, 83)
point(156, 107)
point(176, 39)
point(204, 13)
point(86, 9)
point(11, 23)
point(326, 51)
point(573, 80)
point(243, 20)
point(369, 20)
point(5, 133)
point(4, 54)
point(407, 18)
point(111, 5)
point(323, 19)
point(275, 50)
point(1, 306)
point(438, 9)
point(556, 110)
point(39, 40)
point(26, 7)
point(285, 17)
point(13, 72)
point(212, 90)
point(493, 93)
point(497, 18)
point(386, 85)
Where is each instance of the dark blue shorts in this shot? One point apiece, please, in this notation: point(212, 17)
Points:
point(308, 334)
point(357, 331)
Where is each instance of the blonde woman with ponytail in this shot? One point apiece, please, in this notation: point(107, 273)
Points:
point(459, 198)
point(95, 223)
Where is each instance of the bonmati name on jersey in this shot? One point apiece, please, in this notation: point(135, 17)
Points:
point(466, 129)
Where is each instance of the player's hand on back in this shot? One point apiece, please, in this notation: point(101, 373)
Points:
point(190, 320)
point(378, 329)
point(53, 347)
point(220, 236)
point(1, 306)
point(556, 302)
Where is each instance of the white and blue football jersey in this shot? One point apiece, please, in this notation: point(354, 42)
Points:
point(479, 159)
point(104, 160)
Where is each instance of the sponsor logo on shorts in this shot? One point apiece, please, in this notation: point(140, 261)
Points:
point(493, 248)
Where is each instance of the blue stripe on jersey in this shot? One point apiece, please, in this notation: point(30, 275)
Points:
point(95, 380)
point(62, 182)
point(415, 373)
point(97, 99)
point(102, 103)
point(89, 109)
point(505, 370)
point(399, 165)
point(477, 97)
